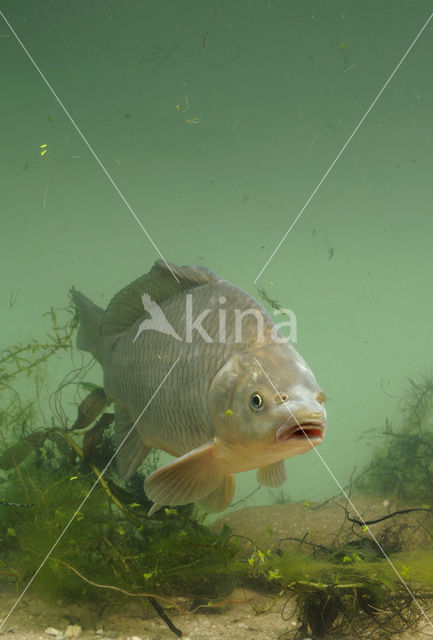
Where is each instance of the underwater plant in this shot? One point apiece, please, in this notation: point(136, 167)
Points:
point(55, 473)
point(403, 466)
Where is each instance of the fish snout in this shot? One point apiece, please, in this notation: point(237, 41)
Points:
point(303, 425)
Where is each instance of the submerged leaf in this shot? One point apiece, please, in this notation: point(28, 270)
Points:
point(14, 455)
point(123, 496)
point(90, 408)
point(93, 438)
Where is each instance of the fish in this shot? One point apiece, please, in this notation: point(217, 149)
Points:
point(238, 395)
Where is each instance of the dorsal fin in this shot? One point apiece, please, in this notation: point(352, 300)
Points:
point(127, 306)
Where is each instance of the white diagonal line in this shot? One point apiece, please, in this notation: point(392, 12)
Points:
point(366, 528)
point(328, 171)
point(88, 145)
point(86, 497)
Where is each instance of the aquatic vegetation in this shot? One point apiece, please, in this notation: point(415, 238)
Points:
point(403, 466)
point(346, 590)
point(418, 406)
point(52, 478)
point(22, 368)
point(274, 304)
point(111, 552)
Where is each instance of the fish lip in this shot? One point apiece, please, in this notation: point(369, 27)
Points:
point(310, 430)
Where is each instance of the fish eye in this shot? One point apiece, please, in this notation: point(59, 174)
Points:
point(256, 401)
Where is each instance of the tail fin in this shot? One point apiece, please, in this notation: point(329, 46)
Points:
point(90, 317)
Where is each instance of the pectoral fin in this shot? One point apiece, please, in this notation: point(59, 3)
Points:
point(273, 475)
point(189, 478)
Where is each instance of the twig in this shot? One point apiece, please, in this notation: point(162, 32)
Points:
point(125, 564)
point(169, 602)
point(15, 504)
point(389, 515)
point(110, 586)
point(345, 489)
point(301, 542)
point(235, 504)
point(97, 473)
point(160, 611)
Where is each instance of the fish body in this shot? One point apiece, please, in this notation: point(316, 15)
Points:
point(239, 397)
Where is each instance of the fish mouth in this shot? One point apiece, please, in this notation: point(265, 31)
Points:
point(311, 430)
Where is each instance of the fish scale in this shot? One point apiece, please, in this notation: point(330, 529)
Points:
point(220, 409)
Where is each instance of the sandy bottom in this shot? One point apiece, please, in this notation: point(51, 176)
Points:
point(238, 621)
point(33, 619)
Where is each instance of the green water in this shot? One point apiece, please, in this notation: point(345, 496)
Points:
point(216, 122)
point(277, 93)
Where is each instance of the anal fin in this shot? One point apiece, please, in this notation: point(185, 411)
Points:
point(273, 475)
point(133, 450)
point(187, 479)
